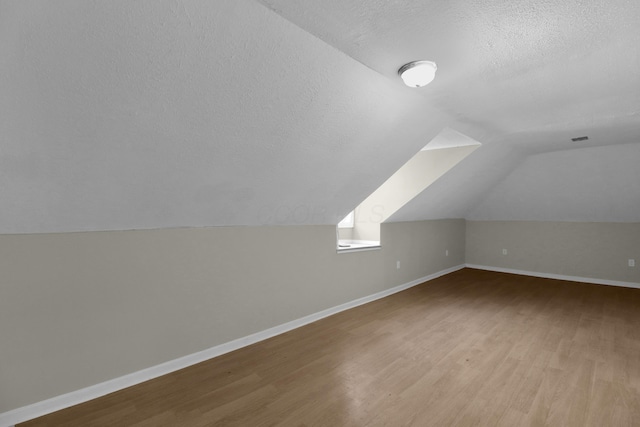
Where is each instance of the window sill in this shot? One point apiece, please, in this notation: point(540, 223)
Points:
point(345, 246)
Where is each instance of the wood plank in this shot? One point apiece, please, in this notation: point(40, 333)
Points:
point(472, 348)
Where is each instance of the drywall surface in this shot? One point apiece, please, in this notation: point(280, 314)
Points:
point(455, 193)
point(514, 67)
point(585, 249)
point(596, 184)
point(410, 180)
point(77, 309)
point(119, 115)
point(521, 77)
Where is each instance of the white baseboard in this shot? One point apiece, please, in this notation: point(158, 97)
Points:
point(57, 403)
point(557, 276)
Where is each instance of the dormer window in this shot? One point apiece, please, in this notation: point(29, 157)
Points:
point(348, 221)
point(362, 231)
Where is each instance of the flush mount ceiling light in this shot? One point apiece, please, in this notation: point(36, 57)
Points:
point(418, 73)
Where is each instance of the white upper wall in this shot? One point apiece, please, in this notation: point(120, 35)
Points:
point(409, 181)
point(462, 187)
point(123, 115)
point(600, 184)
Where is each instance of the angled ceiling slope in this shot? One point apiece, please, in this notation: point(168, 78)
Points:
point(121, 115)
point(600, 184)
point(127, 115)
point(434, 160)
point(523, 77)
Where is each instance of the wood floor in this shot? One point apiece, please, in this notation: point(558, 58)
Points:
point(472, 348)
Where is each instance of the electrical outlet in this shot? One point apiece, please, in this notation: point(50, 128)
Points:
point(446, 253)
point(504, 252)
point(632, 263)
point(398, 265)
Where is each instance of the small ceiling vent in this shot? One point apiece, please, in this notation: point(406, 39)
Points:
point(580, 138)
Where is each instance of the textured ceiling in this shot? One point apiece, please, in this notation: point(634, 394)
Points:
point(121, 115)
point(522, 77)
point(505, 66)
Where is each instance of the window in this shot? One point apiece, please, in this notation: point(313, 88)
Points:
point(348, 221)
point(441, 154)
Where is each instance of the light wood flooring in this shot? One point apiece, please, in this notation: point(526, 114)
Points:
point(473, 348)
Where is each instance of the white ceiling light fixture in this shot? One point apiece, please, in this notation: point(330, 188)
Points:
point(418, 73)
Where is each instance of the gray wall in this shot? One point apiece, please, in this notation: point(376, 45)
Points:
point(77, 309)
point(586, 249)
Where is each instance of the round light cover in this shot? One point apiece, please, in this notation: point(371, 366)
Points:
point(418, 73)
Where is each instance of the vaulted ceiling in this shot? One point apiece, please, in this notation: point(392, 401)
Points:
point(125, 115)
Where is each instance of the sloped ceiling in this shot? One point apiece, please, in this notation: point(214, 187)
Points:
point(598, 182)
point(123, 115)
point(149, 114)
point(523, 77)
